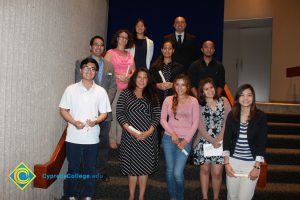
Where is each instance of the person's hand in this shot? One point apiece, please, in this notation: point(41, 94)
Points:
point(174, 138)
point(79, 125)
point(254, 173)
point(182, 144)
point(122, 78)
point(132, 133)
point(168, 85)
point(216, 143)
point(144, 135)
point(229, 170)
point(91, 123)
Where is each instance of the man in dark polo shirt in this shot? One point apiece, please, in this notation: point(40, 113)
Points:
point(207, 67)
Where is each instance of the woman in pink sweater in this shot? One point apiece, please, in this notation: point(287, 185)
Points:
point(180, 118)
point(123, 63)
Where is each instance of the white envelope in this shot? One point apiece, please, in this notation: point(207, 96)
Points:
point(210, 151)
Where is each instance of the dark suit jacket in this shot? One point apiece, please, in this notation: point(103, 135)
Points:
point(256, 134)
point(108, 81)
point(186, 53)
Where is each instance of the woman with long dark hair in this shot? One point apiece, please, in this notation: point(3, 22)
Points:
point(143, 47)
point(164, 71)
point(138, 113)
point(244, 144)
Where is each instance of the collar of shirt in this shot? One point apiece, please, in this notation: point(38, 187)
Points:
point(100, 71)
point(182, 36)
point(84, 89)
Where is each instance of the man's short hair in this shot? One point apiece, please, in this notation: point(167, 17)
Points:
point(96, 37)
point(89, 60)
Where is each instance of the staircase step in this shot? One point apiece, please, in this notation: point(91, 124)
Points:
point(286, 191)
point(283, 174)
point(283, 118)
point(287, 128)
point(282, 156)
point(283, 141)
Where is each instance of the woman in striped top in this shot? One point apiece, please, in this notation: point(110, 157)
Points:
point(138, 107)
point(244, 145)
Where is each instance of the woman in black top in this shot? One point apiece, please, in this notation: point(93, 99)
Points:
point(168, 69)
point(143, 47)
point(244, 144)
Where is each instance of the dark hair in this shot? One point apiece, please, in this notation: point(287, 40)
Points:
point(149, 91)
point(96, 37)
point(134, 33)
point(236, 108)
point(186, 79)
point(114, 41)
point(157, 64)
point(201, 96)
point(89, 60)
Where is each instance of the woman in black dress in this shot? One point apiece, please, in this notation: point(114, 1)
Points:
point(138, 107)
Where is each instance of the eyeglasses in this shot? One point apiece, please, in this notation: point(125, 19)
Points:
point(89, 69)
point(98, 44)
point(124, 38)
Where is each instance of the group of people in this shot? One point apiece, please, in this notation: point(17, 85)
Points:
point(122, 100)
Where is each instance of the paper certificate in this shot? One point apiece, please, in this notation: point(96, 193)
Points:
point(242, 175)
point(134, 130)
point(162, 76)
point(210, 151)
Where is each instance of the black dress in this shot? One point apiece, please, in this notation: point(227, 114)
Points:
point(138, 157)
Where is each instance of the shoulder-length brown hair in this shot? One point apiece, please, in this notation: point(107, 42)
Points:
point(201, 96)
point(114, 41)
point(236, 108)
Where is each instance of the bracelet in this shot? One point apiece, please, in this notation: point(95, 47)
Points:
point(226, 163)
point(256, 167)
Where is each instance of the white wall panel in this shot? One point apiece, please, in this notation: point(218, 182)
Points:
point(40, 41)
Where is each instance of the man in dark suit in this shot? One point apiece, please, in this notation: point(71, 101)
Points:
point(106, 79)
point(184, 43)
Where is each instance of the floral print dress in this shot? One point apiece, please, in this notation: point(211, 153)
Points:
point(214, 122)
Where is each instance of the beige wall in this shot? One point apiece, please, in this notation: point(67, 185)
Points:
point(40, 42)
point(285, 40)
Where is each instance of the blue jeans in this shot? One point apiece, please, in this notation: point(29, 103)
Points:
point(87, 153)
point(175, 163)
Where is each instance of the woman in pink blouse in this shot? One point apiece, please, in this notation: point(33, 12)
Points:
point(123, 63)
point(179, 118)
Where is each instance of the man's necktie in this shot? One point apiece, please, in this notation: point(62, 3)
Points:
point(179, 40)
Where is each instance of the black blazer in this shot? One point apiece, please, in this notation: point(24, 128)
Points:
point(256, 134)
point(186, 53)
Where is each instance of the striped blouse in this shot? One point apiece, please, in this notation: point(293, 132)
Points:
point(242, 149)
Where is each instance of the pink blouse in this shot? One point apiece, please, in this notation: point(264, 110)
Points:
point(121, 64)
point(187, 118)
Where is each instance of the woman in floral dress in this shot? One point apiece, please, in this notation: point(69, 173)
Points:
point(214, 111)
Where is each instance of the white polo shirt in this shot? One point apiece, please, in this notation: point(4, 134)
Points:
point(84, 104)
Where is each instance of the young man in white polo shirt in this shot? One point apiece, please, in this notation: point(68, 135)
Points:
point(83, 105)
